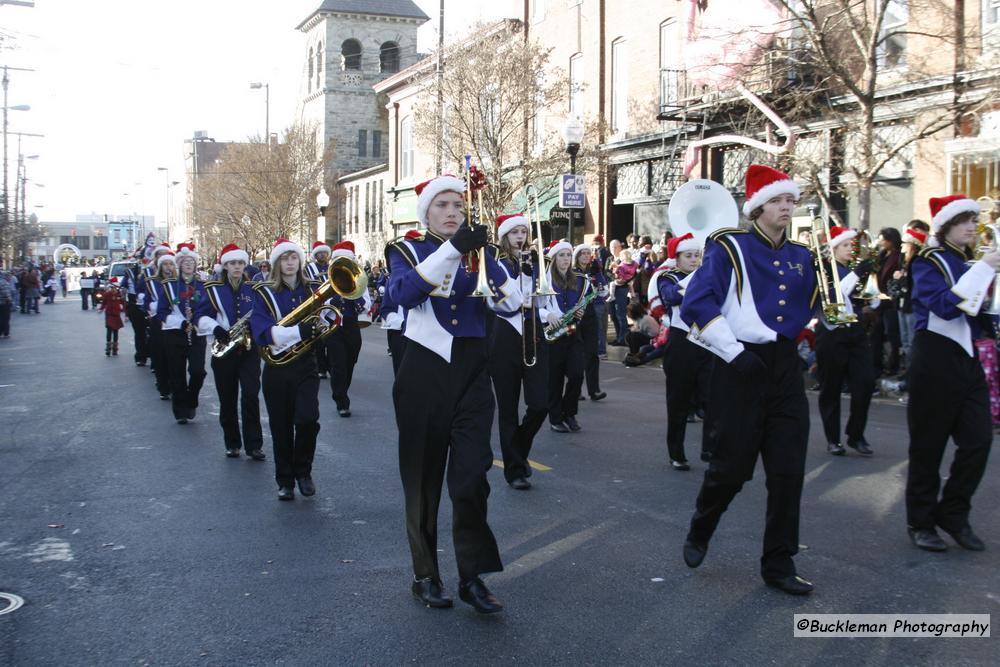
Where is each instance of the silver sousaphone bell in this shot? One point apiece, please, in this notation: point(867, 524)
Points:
point(701, 207)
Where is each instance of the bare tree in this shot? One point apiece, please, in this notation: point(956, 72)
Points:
point(274, 187)
point(494, 85)
point(878, 76)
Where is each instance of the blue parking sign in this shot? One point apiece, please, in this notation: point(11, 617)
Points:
point(573, 193)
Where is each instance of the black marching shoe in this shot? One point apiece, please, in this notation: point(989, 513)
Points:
point(344, 413)
point(430, 592)
point(559, 427)
point(792, 584)
point(182, 420)
point(322, 376)
point(257, 455)
point(680, 465)
point(474, 592)
point(306, 486)
point(965, 538)
point(286, 493)
point(520, 483)
point(232, 453)
point(572, 423)
point(706, 456)
point(694, 552)
point(835, 448)
point(927, 539)
point(599, 396)
point(861, 446)
point(191, 414)
point(164, 397)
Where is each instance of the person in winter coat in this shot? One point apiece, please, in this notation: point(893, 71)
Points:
point(113, 306)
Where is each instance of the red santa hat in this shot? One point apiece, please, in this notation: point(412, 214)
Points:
point(233, 253)
point(764, 184)
point(114, 281)
point(428, 190)
point(840, 235)
point(343, 249)
point(187, 250)
point(506, 223)
point(167, 256)
point(915, 236)
point(319, 246)
point(943, 209)
point(679, 244)
point(413, 235)
point(598, 239)
point(556, 247)
point(281, 246)
point(163, 247)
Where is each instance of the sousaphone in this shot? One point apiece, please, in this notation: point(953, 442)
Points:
point(701, 207)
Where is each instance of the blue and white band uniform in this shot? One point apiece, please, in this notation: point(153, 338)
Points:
point(848, 282)
point(564, 300)
point(428, 281)
point(316, 271)
point(670, 287)
point(270, 306)
point(948, 294)
point(749, 290)
point(229, 305)
point(171, 306)
point(526, 284)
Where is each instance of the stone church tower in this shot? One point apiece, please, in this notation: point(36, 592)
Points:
point(350, 45)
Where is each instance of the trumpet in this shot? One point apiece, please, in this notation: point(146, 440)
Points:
point(344, 278)
point(239, 336)
point(834, 310)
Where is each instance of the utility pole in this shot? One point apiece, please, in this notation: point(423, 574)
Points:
point(439, 158)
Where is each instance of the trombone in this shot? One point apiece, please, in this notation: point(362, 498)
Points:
point(986, 223)
point(476, 263)
point(543, 288)
point(834, 310)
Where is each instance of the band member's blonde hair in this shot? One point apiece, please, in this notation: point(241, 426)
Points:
point(275, 278)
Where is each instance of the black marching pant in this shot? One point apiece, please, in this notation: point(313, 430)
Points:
point(84, 294)
point(688, 370)
point(444, 412)
point(764, 415)
point(342, 349)
point(157, 355)
point(291, 394)
point(397, 344)
point(591, 361)
point(111, 335)
point(237, 380)
point(885, 329)
point(508, 372)
point(948, 397)
point(185, 364)
point(841, 352)
point(565, 377)
point(138, 319)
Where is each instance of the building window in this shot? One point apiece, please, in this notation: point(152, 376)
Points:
point(309, 79)
point(668, 63)
point(319, 66)
point(537, 11)
point(406, 148)
point(381, 205)
point(368, 208)
point(991, 25)
point(350, 54)
point(376, 143)
point(362, 143)
point(619, 86)
point(891, 49)
point(100, 243)
point(576, 85)
point(388, 57)
point(81, 242)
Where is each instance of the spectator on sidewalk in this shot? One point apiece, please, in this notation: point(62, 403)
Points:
point(32, 287)
point(644, 329)
point(622, 292)
point(6, 302)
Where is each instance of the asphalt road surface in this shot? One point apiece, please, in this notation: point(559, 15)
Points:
point(134, 541)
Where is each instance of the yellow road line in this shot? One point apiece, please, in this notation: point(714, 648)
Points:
point(541, 467)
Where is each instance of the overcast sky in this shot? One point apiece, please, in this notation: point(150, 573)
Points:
point(119, 84)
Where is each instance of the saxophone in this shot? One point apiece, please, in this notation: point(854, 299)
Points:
point(239, 336)
point(567, 323)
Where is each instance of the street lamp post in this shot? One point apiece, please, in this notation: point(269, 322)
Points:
point(572, 134)
point(323, 201)
point(267, 109)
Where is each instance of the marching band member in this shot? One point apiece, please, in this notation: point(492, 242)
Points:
point(179, 305)
point(747, 303)
point(393, 315)
point(291, 392)
point(316, 270)
point(343, 346)
point(165, 267)
point(507, 366)
point(237, 374)
point(583, 263)
point(948, 391)
point(566, 363)
point(686, 366)
point(131, 284)
point(843, 351)
point(444, 406)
